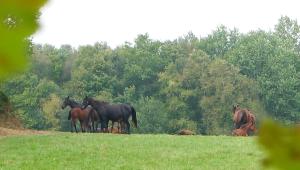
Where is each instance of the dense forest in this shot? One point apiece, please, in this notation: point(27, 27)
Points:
point(189, 82)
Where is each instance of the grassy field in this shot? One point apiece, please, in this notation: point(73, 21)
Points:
point(109, 151)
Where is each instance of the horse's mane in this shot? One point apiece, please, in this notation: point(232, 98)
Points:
point(74, 103)
point(98, 102)
point(101, 102)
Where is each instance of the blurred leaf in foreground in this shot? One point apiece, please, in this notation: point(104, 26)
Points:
point(18, 20)
point(282, 145)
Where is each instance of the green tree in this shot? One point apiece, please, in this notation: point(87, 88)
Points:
point(219, 42)
point(152, 116)
point(289, 31)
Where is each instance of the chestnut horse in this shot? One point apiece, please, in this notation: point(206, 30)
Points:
point(243, 130)
point(76, 113)
point(239, 132)
point(244, 120)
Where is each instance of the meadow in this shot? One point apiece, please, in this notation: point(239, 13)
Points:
point(136, 151)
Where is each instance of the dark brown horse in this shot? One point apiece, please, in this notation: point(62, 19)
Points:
point(243, 119)
point(94, 119)
point(113, 112)
point(76, 113)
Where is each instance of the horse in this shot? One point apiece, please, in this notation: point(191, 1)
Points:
point(185, 132)
point(242, 118)
point(244, 129)
point(76, 113)
point(239, 132)
point(94, 118)
point(113, 112)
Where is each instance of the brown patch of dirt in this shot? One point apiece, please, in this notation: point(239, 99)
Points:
point(10, 121)
point(15, 132)
point(10, 125)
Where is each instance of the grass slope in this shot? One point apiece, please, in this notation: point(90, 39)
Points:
point(108, 151)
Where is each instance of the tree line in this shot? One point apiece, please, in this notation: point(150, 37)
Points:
point(188, 82)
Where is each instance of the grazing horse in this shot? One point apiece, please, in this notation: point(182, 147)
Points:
point(76, 113)
point(186, 132)
point(243, 130)
point(113, 112)
point(239, 132)
point(243, 120)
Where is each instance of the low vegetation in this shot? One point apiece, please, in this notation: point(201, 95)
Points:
point(108, 151)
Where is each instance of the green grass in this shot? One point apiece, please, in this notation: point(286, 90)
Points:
point(108, 151)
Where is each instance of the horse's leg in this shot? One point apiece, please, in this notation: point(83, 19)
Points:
point(72, 126)
point(81, 126)
point(74, 123)
point(128, 126)
point(93, 122)
point(88, 127)
point(97, 122)
point(104, 125)
point(112, 126)
point(93, 126)
point(123, 127)
point(119, 126)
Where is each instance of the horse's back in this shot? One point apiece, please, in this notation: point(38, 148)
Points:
point(80, 113)
point(113, 111)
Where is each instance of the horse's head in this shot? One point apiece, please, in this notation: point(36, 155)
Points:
point(235, 108)
point(66, 102)
point(86, 101)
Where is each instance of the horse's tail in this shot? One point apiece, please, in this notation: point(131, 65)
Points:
point(133, 112)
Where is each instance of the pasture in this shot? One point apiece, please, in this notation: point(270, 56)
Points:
point(108, 151)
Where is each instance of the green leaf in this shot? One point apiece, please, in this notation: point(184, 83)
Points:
point(18, 20)
point(281, 144)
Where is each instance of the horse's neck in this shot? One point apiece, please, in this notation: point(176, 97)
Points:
point(99, 103)
point(237, 110)
point(74, 104)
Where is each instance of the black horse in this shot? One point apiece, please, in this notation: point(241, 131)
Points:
point(113, 112)
point(85, 116)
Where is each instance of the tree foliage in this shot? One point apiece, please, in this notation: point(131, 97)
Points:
point(188, 82)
